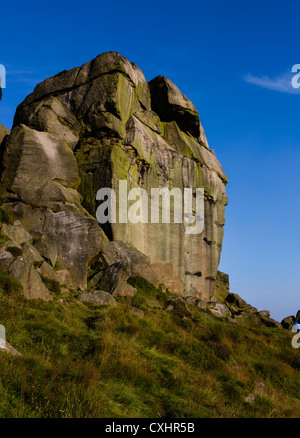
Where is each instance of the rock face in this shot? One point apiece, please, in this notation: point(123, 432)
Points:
point(289, 321)
point(86, 129)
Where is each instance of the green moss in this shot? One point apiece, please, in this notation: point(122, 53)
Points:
point(88, 193)
point(5, 217)
point(7, 284)
point(65, 122)
point(121, 163)
point(146, 290)
point(52, 285)
point(3, 238)
point(232, 388)
point(97, 266)
point(127, 99)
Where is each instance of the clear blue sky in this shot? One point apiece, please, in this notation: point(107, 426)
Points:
point(232, 59)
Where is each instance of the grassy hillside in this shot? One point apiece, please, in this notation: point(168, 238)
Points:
point(82, 360)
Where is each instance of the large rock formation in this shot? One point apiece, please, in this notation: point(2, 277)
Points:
point(86, 129)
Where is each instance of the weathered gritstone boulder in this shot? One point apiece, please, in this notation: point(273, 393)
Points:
point(270, 322)
point(46, 271)
point(193, 301)
point(22, 270)
point(137, 264)
point(135, 311)
point(178, 305)
point(99, 297)
point(113, 279)
point(243, 311)
point(237, 305)
point(288, 322)
point(88, 128)
point(16, 232)
point(264, 313)
point(219, 309)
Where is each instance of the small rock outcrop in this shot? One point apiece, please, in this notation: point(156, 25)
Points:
point(290, 321)
point(219, 309)
point(178, 305)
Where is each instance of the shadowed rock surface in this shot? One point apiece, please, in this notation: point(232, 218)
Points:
point(3, 133)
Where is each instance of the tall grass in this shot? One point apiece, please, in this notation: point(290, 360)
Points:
point(82, 360)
